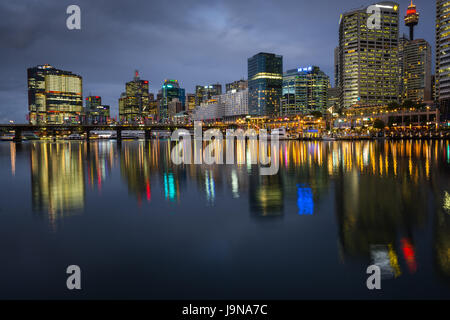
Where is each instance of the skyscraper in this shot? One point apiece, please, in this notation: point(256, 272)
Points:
point(368, 66)
point(443, 57)
point(54, 96)
point(304, 91)
point(170, 90)
point(417, 71)
point(134, 103)
point(265, 81)
point(205, 93)
point(336, 67)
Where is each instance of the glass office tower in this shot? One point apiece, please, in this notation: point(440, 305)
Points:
point(54, 96)
point(170, 90)
point(368, 57)
point(304, 91)
point(265, 81)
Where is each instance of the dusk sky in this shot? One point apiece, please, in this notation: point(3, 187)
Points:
point(193, 41)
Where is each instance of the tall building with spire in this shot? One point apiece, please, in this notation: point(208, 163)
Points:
point(411, 19)
point(443, 56)
point(415, 63)
point(134, 103)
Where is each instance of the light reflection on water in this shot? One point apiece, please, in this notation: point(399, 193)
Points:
point(382, 199)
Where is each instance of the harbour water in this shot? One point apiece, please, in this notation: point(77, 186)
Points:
point(141, 227)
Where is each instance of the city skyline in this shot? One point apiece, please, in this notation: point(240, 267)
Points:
point(189, 68)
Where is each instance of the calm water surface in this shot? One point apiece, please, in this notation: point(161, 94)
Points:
point(142, 227)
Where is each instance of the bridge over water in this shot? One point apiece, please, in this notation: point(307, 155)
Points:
point(86, 129)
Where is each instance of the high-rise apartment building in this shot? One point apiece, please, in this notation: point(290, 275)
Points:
point(265, 81)
point(443, 57)
point(54, 96)
point(368, 56)
point(304, 90)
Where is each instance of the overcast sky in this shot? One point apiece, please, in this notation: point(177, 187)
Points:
point(194, 41)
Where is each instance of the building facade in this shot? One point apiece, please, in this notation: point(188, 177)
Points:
point(95, 112)
point(368, 56)
point(209, 111)
point(265, 81)
point(206, 93)
point(236, 85)
point(443, 57)
point(235, 104)
point(170, 90)
point(305, 90)
point(134, 103)
point(417, 71)
point(54, 96)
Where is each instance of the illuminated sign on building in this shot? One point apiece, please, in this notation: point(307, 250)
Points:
point(305, 69)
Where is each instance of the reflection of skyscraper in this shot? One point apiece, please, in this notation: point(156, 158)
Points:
point(54, 96)
point(57, 178)
point(305, 201)
point(266, 196)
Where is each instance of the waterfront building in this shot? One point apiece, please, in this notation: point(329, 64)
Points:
point(265, 81)
point(443, 57)
point(170, 90)
point(336, 67)
point(333, 100)
point(304, 91)
point(209, 111)
point(235, 104)
point(417, 71)
point(402, 41)
point(368, 57)
point(134, 103)
point(205, 93)
point(54, 96)
point(238, 85)
point(95, 112)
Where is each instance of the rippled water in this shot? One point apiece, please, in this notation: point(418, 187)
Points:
point(142, 227)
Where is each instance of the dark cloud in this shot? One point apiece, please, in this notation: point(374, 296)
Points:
point(194, 41)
